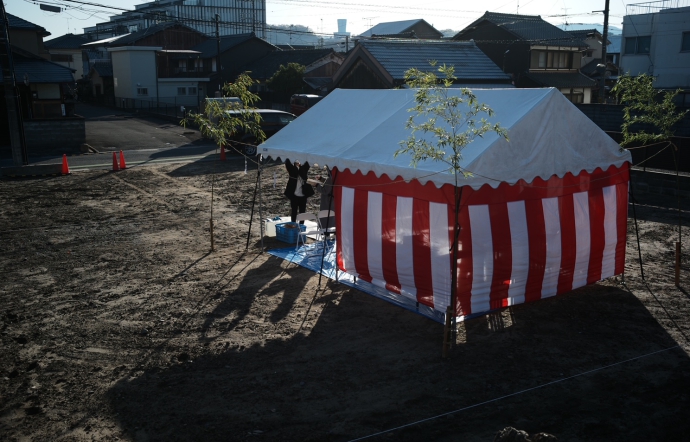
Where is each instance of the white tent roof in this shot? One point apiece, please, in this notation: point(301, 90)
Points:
point(360, 130)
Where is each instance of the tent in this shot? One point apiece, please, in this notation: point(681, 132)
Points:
point(542, 214)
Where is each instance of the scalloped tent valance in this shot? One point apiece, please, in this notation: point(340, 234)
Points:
point(360, 130)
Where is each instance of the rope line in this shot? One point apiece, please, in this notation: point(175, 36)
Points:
point(515, 393)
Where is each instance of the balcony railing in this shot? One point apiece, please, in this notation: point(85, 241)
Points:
point(652, 7)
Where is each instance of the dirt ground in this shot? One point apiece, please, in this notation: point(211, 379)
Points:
point(118, 323)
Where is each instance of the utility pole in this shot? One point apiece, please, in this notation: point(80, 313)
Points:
point(218, 68)
point(605, 37)
point(14, 114)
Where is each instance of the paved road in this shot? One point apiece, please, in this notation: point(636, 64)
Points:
point(143, 140)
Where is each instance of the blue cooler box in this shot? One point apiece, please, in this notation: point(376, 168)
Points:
point(287, 232)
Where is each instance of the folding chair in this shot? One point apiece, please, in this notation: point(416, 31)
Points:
point(310, 229)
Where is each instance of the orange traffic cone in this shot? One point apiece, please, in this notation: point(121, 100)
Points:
point(65, 167)
point(115, 166)
point(222, 152)
point(123, 165)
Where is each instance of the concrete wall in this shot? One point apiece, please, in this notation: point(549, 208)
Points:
point(660, 183)
point(58, 136)
point(665, 61)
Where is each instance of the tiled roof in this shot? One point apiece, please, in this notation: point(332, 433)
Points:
point(19, 23)
point(67, 41)
point(136, 36)
point(267, 65)
point(561, 79)
point(209, 48)
point(582, 34)
point(390, 28)
point(39, 70)
point(531, 28)
point(397, 56)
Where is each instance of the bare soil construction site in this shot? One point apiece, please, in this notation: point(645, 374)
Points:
point(117, 322)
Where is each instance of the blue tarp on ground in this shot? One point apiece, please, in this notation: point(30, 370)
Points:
point(310, 257)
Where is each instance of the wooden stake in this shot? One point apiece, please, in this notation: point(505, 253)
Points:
point(213, 248)
point(677, 263)
point(447, 332)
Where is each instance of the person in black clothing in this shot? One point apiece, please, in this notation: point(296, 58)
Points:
point(293, 189)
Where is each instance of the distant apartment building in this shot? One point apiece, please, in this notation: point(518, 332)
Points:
point(656, 41)
point(234, 17)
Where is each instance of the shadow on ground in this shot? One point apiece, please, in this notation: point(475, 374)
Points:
point(367, 366)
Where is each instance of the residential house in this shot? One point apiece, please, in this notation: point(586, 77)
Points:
point(417, 28)
point(535, 52)
point(381, 63)
point(236, 51)
point(318, 63)
point(135, 81)
point(592, 65)
point(66, 50)
point(656, 41)
point(45, 90)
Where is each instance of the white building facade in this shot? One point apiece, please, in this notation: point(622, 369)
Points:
point(656, 41)
point(234, 17)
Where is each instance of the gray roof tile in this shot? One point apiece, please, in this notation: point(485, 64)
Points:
point(19, 23)
point(391, 28)
point(67, 41)
point(397, 56)
point(561, 79)
point(39, 70)
point(531, 28)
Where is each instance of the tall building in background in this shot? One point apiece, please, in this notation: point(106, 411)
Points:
point(236, 17)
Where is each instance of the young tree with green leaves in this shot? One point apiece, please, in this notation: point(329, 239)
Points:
point(655, 108)
point(451, 119)
point(220, 120)
point(288, 79)
point(646, 105)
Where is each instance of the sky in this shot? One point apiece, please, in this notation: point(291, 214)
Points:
point(322, 15)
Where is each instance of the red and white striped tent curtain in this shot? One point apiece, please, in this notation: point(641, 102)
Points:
point(518, 243)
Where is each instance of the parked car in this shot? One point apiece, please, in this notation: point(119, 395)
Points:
point(299, 103)
point(271, 122)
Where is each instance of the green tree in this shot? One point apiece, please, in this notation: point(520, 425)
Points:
point(288, 78)
point(451, 121)
point(646, 105)
point(220, 125)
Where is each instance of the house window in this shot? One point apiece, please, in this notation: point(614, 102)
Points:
point(685, 45)
point(142, 91)
point(191, 91)
point(638, 45)
point(574, 97)
point(555, 60)
point(181, 91)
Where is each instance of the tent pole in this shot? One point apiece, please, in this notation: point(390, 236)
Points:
point(261, 192)
point(450, 328)
point(251, 215)
point(637, 231)
point(323, 251)
point(679, 242)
